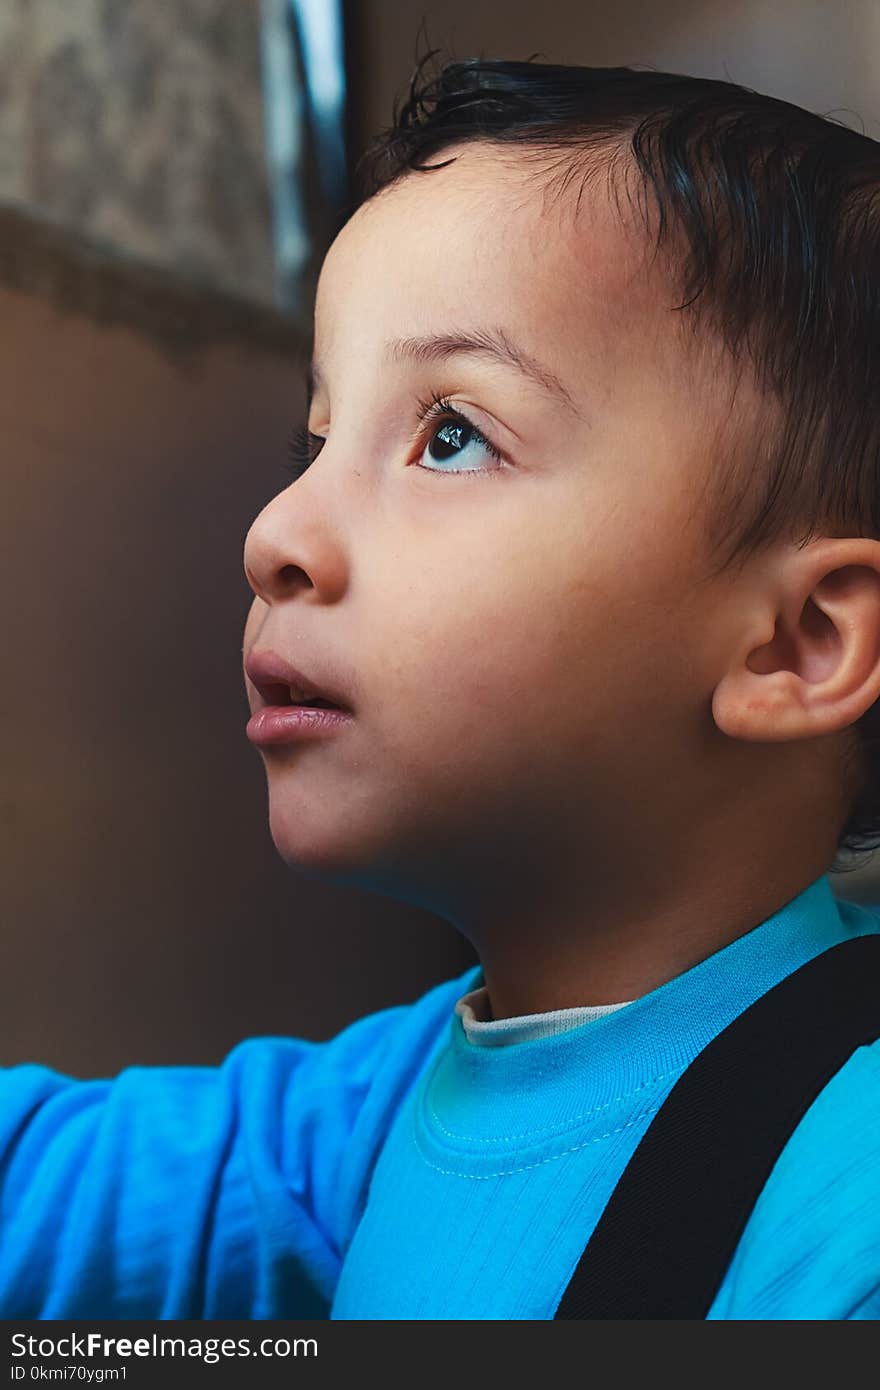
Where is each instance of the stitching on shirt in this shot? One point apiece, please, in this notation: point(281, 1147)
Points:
point(541, 1129)
point(524, 1168)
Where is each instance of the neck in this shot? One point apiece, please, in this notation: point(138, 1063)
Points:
point(616, 948)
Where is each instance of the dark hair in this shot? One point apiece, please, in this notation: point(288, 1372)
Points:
point(770, 216)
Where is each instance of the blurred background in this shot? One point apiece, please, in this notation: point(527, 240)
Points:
point(170, 177)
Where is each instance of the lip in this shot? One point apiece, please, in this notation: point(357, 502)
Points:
point(278, 724)
point(267, 671)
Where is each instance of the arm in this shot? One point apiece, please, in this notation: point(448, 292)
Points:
point(201, 1192)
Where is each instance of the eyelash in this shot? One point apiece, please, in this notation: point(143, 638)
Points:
point(435, 409)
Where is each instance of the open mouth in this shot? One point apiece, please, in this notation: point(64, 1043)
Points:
point(283, 695)
point(280, 685)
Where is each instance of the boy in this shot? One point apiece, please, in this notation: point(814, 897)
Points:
point(587, 563)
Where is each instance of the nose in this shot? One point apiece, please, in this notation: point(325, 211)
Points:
point(290, 549)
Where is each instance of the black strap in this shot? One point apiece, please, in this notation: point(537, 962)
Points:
point(671, 1226)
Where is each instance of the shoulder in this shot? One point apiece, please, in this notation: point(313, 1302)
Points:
point(359, 1075)
point(811, 1246)
point(397, 1037)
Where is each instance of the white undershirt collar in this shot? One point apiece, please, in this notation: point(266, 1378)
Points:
point(475, 1013)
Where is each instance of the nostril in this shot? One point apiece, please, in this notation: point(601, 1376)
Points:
point(292, 575)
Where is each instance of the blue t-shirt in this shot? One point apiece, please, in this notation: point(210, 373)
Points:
point(399, 1170)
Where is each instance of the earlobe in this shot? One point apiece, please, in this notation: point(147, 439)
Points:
point(820, 671)
point(761, 708)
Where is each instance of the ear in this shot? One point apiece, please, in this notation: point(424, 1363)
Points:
point(809, 662)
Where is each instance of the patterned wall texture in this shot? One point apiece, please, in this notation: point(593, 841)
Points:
point(140, 124)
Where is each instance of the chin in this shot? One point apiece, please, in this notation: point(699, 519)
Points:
point(319, 844)
point(325, 853)
point(315, 849)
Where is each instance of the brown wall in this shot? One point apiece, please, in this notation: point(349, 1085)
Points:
point(147, 917)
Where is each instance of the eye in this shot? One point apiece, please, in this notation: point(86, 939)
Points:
point(451, 437)
point(455, 439)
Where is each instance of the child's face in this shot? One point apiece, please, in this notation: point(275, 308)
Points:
point(526, 648)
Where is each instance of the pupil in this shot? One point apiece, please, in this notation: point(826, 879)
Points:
point(448, 434)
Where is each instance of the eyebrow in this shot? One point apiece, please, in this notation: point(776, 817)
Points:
point(492, 343)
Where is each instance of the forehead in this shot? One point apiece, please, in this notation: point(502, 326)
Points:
point(488, 240)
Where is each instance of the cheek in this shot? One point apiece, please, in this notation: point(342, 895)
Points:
point(483, 653)
point(550, 615)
